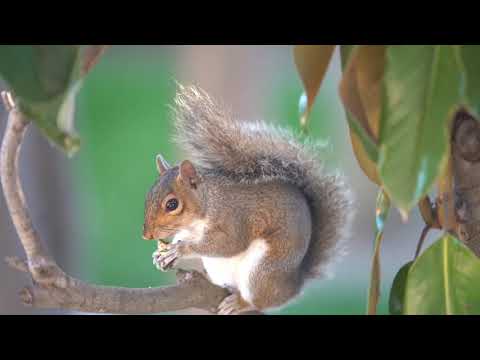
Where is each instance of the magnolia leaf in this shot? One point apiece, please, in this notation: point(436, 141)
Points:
point(445, 279)
point(423, 87)
point(312, 63)
point(37, 72)
point(91, 55)
point(361, 94)
point(44, 80)
point(396, 301)
point(471, 61)
point(345, 52)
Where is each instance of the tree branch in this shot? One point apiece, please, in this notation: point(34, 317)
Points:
point(192, 291)
point(52, 287)
point(466, 170)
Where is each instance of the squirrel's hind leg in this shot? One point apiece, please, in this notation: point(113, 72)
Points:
point(267, 279)
point(266, 291)
point(272, 290)
point(234, 304)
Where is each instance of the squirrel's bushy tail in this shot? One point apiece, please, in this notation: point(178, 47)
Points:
point(258, 152)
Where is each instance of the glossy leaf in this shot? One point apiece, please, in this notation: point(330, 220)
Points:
point(365, 149)
point(345, 52)
point(312, 63)
point(423, 87)
point(37, 72)
point(91, 55)
point(361, 85)
point(364, 146)
point(445, 279)
point(361, 94)
point(471, 61)
point(381, 213)
point(44, 80)
point(396, 301)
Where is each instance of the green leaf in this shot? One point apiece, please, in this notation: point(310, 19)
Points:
point(423, 87)
point(445, 279)
point(361, 94)
point(368, 145)
point(312, 63)
point(44, 80)
point(471, 60)
point(381, 214)
point(345, 51)
point(397, 292)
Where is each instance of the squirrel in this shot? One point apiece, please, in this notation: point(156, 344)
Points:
point(252, 202)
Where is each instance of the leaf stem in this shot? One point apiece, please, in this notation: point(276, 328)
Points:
point(425, 231)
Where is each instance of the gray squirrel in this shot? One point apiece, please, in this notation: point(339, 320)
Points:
point(252, 202)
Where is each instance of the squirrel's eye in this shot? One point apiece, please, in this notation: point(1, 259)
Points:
point(171, 204)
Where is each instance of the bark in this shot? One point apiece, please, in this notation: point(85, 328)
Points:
point(466, 173)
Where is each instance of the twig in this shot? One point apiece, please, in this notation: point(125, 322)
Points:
point(425, 231)
point(53, 288)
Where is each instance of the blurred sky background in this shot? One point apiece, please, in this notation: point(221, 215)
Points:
point(89, 209)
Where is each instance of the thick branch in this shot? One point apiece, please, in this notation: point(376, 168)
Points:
point(52, 288)
point(193, 291)
point(466, 163)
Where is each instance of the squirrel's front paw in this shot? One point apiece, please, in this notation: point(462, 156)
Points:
point(157, 254)
point(166, 257)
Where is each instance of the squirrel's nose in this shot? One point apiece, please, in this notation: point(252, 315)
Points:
point(147, 235)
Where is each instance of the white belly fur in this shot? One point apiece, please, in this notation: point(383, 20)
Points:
point(234, 271)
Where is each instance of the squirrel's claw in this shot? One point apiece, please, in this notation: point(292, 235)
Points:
point(157, 254)
point(233, 305)
point(165, 259)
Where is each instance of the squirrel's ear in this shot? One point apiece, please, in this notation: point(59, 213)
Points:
point(188, 173)
point(162, 164)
